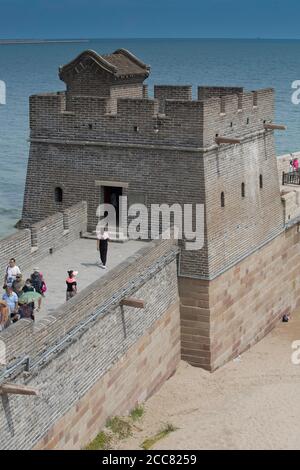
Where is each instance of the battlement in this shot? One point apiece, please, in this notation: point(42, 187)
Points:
point(107, 101)
point(206, 92)
point(170, 118)
point(236, 115)
point(134, 120)
point(171, 92)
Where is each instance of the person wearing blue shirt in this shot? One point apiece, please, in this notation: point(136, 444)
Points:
point(11, 299)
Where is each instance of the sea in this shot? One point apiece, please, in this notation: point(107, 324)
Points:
point(27, 69)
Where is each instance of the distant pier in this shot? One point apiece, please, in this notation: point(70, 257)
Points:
point(5, 42)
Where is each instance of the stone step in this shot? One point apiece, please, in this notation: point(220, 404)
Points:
point(116, 236)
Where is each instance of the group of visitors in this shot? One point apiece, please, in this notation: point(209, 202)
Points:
point(21, 297)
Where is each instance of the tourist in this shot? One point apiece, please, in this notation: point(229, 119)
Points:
point(29, 288)
point(71, 284)
point(11, 299)
point(102, 246)
point(18, 285)
point(27, 310)
point(291, 166)
point(296, 164)
point(4, 315)
point(37, 281)
point(12, 270)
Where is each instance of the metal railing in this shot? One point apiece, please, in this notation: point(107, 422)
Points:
point(292, 177)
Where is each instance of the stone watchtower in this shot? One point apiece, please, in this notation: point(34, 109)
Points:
point(103, 136)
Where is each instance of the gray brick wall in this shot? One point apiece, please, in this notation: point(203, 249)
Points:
point(171, 92)
point(160, 176)
point(245, 223)
point(237, 115)
point(205, 92)
point(164, 149)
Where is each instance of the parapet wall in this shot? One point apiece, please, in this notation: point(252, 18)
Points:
point(237, 115)
point(29, 245)
point(95, 359)
point(291, 204)
point(168, 92)
point(171, 118)
point(205, 92)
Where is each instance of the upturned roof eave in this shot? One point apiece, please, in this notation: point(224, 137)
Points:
point(104, 64)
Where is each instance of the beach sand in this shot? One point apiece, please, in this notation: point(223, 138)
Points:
point(250, 403)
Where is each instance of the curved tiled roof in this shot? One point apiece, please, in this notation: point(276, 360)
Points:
point(120, 63)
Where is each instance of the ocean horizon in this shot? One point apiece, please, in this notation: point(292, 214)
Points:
point(30, 68)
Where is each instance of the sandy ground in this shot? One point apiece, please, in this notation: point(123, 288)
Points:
point(251, 403)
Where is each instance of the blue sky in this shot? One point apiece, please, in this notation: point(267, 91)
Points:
point(149, 18)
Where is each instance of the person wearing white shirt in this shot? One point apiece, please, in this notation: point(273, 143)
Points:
point(12, 271)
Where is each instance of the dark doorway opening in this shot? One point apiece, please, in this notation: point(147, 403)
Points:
point(58, 194)
point(111, 196)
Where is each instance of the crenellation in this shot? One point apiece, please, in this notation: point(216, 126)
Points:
point(236, 115)
point(42, 106)
point(179, 121)
point(247, 103)
point(206, 92)
point(91, 107)
point(145, 91)
point(139, 108)
point(171, 92)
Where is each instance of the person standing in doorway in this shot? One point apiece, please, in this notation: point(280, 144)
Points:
point(102, 246)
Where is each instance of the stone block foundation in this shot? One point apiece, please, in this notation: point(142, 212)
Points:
point(139, 373)
point(223, 317)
